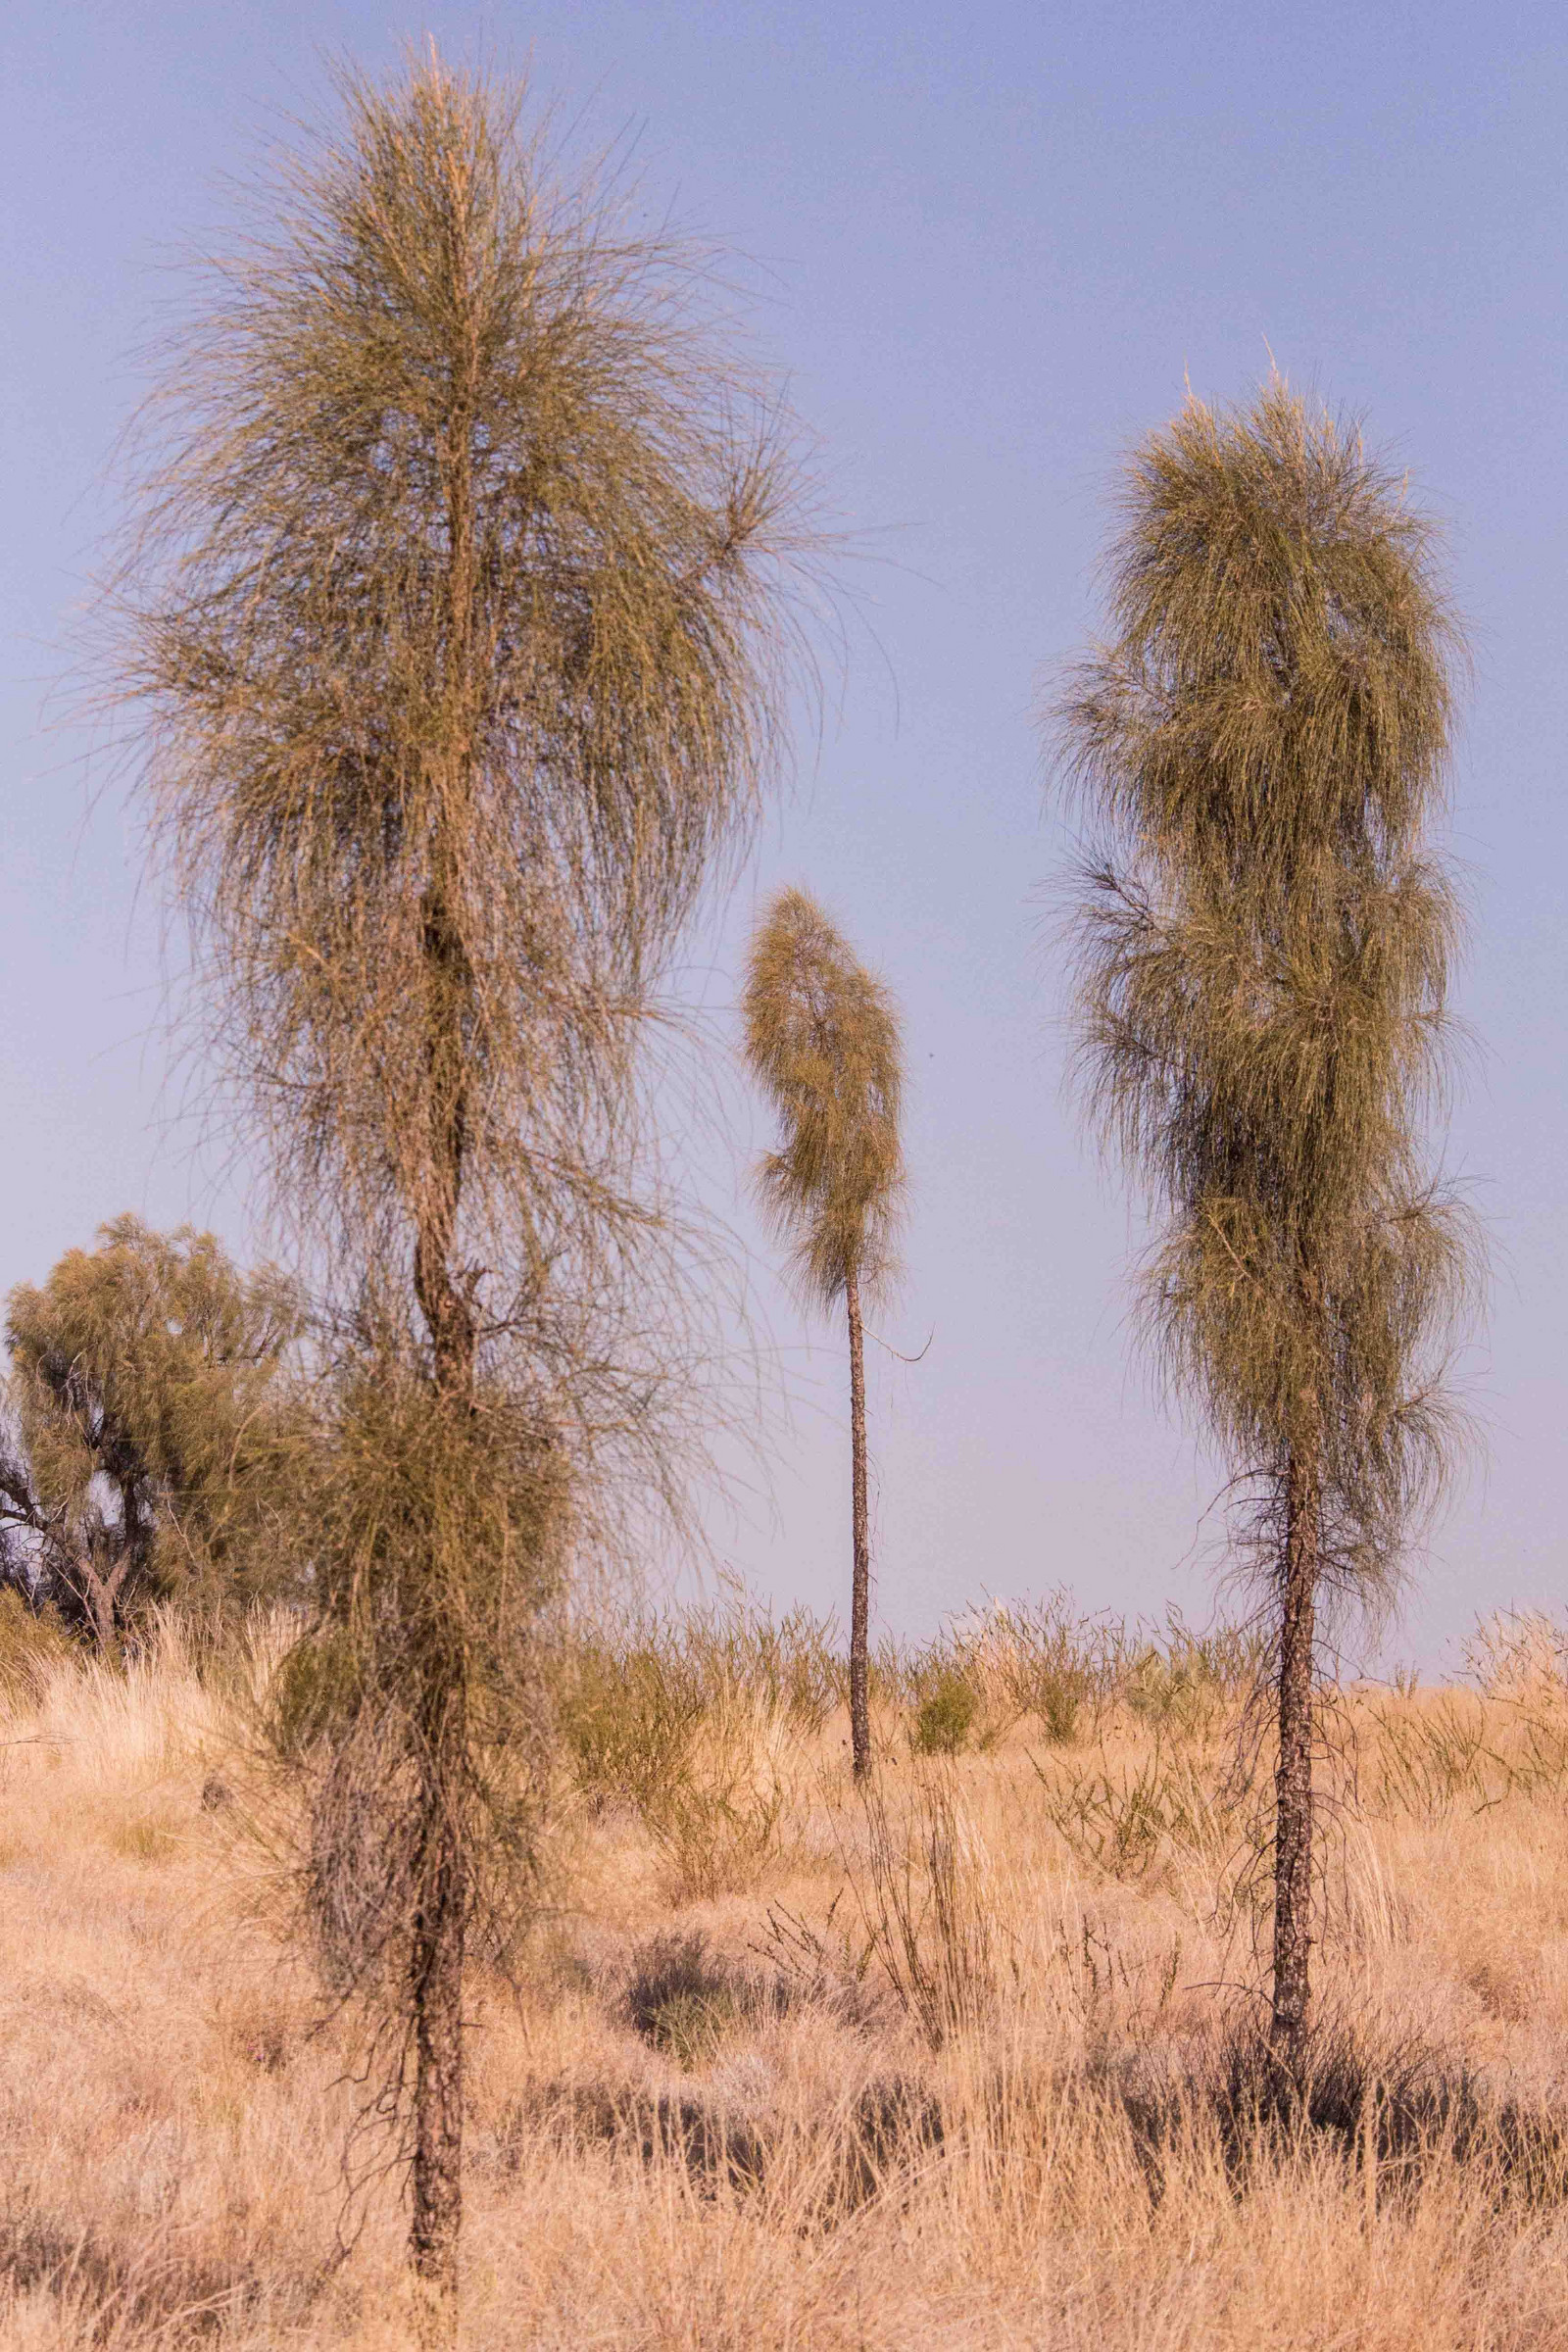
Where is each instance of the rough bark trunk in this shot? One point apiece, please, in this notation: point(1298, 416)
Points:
point(1292, 1785)
point(436, 1964)
point(445, 1301)
point(861, 1588)
point(437, 1957)
point(436, 1987)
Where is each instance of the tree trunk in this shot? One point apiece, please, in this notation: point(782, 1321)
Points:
point(436, 1962)
point(100, 1608)
point(101, 1593)
point(436, 1989)
point(1293, 1785)
point(445, 1301)
point(860, 1588)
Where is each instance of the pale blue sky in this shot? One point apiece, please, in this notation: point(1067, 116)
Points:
point(990, 245)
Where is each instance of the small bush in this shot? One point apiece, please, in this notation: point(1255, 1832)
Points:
point(1182, 1682)
point(945, 1715)
point(1125, 1819)
point(1388, 2107)
point(627, 1708)
point(717, 1825)
point(683, 2001)
point(924, 1911)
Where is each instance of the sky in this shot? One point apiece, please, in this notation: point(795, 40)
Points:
point(987, 248)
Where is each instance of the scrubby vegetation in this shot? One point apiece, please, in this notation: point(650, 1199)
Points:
point(970, 2057)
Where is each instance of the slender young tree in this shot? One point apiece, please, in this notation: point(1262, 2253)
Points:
point(1265, 937)
point(456, 616)
point(822, 1041)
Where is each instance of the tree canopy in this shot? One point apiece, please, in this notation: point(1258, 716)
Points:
point(151, 1404)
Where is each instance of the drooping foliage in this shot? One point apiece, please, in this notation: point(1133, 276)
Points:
point(1265, 943)
point(156, 1425)
point(408, 1493)
point(822, 1040)
point(456, 609)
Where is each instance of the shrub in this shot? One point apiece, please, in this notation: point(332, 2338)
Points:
point(682, 1999)
point(925, 1915)
point(945, 1715)
point(717, 1823)
point(627, 1707)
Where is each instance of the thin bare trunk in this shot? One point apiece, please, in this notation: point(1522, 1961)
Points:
point(437, 2001)
point(860, 1590)
point(437, 1961)
point(437, 1958)
point(1293, 1814)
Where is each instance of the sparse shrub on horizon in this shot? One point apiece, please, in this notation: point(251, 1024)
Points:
point(687, 1717)
point(1184, 1681)
point(1519, 1655)
point(631, 1694)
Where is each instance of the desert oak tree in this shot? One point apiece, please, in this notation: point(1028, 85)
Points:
point(1264, 939)
point(456, 616)
point(154, 1418)
point(822, 1040)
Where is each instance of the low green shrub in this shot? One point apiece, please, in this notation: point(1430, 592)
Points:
point(945, 1715)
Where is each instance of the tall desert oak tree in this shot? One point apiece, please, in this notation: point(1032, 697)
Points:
point(1264, 937)
point(822, 1041)
point(455, 615)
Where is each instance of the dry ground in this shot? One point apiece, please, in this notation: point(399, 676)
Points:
point(787, 2069)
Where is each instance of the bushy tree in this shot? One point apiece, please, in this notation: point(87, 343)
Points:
point(1265, 941)
point(151, 1421)
point(457, 618)
point(822, 1040)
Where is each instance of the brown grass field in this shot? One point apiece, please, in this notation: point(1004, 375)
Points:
point(966, 2064)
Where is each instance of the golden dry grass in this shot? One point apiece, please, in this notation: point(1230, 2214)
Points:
point(714, 2123)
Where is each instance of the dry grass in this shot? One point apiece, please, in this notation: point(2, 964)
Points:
point(961, 2066)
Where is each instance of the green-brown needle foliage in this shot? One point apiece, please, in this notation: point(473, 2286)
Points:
point(462, 537)
point(822, 1040)
point(157, 1423)
point(457, 618)
point(1265, 940)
